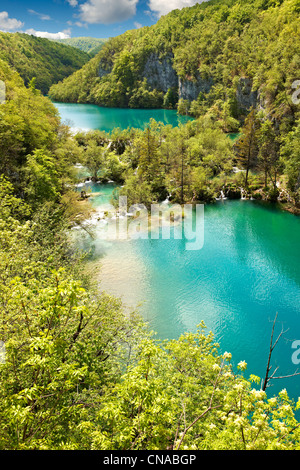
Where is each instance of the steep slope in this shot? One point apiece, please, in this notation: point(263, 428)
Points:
point(46, 60)
point(90, 45)
point(28, 121)
point(245, 52)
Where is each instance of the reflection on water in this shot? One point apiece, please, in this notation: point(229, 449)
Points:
point(247, 271)
point(89, 116)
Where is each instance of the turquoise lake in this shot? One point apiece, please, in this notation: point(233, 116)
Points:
point(89, 116)
point(247, 271)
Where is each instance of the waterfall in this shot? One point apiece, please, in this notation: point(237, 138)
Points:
point(167, 200)
point(222, 196)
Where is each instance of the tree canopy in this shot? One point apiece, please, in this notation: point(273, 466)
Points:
point(77, 373)
point(46, 61)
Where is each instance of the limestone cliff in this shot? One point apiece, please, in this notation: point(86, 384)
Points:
point(190, 89)
point(246, 98)
point(160, 73)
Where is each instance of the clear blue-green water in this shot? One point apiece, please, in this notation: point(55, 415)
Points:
point(247, 271)
point(89, 116)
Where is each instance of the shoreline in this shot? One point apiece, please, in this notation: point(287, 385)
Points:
point(279, 205)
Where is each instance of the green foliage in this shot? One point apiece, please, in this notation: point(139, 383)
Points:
point(41, 179)
point(89, 45)
point(46, 61)
point(37, 153)
point(94, 160)
point(63, 344)
point(27, 121)
point(78, 373)
point(11, 206)
point(247, 144)
point(290, 154)
point(171, 98)
point(184, 395)
point(144, 97)
point(178, 162)
point(217, 43)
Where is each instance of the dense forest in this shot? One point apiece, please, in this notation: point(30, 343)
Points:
point(79, 373)
point(196, 162)
point(46, 61)
point(233, 65)
point(224, 53)
point(90, 45)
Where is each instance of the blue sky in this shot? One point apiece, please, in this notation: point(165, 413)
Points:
point(73, 18)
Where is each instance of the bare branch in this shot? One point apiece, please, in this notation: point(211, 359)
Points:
point(269, 377)
point(286, 376)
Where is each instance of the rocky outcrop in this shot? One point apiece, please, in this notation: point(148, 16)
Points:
point(102, 71)
point(160, 73)
point(190, 89)
point(246, 98)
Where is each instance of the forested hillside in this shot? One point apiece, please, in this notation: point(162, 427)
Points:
point(47, 61)
point(230, 54)
point(233, 64)
point(90, 45)
point(75, 372)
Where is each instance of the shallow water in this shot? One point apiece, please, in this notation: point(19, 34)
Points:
point(247, 271)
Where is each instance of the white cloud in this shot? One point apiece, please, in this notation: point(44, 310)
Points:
point(44, 34)
point(9, 24)
point(42, 16)
point(162, 7)
point(81, 25)
point(77, 23)
point(137, 25)
point(107, 11)
point(73, 3)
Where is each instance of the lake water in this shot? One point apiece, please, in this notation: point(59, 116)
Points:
point(89, 116)
point(247, 271)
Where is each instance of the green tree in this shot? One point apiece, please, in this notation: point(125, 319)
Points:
point(247, 145)
point(171, 98)
point(41, 178)
point(268, 157)
point(290, 156)
point(63, 344)
point(40, 62)
point(150, 167)
point(94, 159)
point(184, 395)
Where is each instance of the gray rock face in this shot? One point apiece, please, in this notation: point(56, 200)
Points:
point(246, 98)
point(102, 72)
point(160, 73)
point(190, 89)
